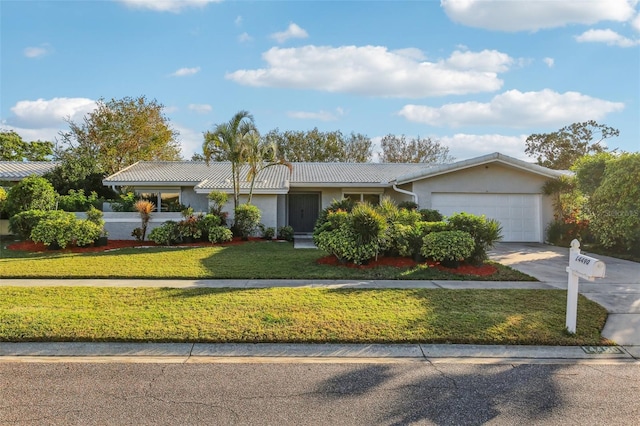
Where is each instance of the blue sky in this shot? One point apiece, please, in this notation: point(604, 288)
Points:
point(477, 75)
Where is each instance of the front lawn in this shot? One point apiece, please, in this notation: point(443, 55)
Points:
point(90, 314)
point(252, 260)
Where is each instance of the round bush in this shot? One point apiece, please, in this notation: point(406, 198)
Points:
point(22, 224)
point(31, 193)
point(166, 234)
point(220, 234)
point(247, 218)
point(447, 246)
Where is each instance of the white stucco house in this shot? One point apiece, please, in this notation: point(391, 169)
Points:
point(496, 185)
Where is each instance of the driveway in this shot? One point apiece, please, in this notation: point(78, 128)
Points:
point(618, 292)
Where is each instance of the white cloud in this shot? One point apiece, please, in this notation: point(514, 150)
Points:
point(607, 36)
point(238, 20)
point(37, 51)
point(294, 31)
point(320, 115)
point(636, 22)
point(43, 113)
point(534, 15)
point(200, 108)
point(175, 6)
point(515, 109)
point(487, 60)
point(190, 140)
point(183, 72)
point(550, 62)
point(244, 38)
point(376, 71)
point(28, 135)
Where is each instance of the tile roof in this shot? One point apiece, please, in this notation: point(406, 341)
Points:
point(17, 170)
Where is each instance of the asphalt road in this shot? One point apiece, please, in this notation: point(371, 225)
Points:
point(317, 394)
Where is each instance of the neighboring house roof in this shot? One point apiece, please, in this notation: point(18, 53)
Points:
point(14, 171)
point(279, 179)
point(496, 157)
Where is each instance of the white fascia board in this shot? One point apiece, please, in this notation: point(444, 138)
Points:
point(341, 185)
point(242, 191)
point(149, 184)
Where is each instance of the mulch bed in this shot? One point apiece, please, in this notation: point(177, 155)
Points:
point(115, 244)
point(405, 262)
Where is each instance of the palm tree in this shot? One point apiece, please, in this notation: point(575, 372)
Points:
point(227, 142)
point(260, 154)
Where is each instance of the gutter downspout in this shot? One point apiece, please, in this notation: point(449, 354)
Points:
point(404, 191)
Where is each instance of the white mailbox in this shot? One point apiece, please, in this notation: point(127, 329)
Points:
point(580, 266)
point(586, 267)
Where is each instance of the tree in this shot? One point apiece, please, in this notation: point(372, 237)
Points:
point(121, 132)
point(614, 206)
point(396, 149)
point(259, 155)
point(316, 146)
point(560, 149)
point(31, 193)
point(227, 142)
point(77, 170)
point(13, 148)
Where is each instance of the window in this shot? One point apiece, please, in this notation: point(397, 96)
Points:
point(164, 201)
point(373, 199)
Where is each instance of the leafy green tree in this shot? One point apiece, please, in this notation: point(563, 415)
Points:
point(561, 149)
point(31, 193)
point(397, 149)
point(119, 133)
point(614, 206)
point(13, 148)
point(227, 142)
point(589, 171)
point(316, 146)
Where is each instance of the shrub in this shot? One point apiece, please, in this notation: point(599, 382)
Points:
point(58, 230)
point(247, 218)
point(166, 234)
point(86, 232)
point(267, 232)
point(399, 240)
point(429, 227)
point(448, 246)
point(366, 223)
point(31, 193)
point(65, 229)
point(485, 232)
point(206, 222)
point(342, 244)
point(22, 224)
point(218, 200)
point(408, 205)
point(137, 233)
point(3, 199)
point(125, 203)
point(220, 234)
point(96, 216)
point(285, 233)
point(76, 201)
point(190, 226)
point(430, 215)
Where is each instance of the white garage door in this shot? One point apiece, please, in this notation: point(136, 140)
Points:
point(519, 214)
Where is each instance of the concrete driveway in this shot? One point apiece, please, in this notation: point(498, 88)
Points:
point(618, 292)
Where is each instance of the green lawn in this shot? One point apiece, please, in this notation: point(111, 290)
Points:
point(294, 315)
point(252, 260)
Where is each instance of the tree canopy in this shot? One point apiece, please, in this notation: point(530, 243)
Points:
point(13, 148)
point(561, 149)
point(397, 149)
point(323, 147)
point(120, 132)
point(32, 192)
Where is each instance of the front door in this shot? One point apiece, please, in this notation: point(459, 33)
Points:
point(303, 211)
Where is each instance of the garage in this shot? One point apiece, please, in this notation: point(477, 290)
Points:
point(519, 214)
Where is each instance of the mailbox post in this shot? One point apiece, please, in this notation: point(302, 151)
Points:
point(580, 266)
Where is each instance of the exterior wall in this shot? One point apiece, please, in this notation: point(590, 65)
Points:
point(486, 178)
point(199, 202)
point(120, 225)
point(267, 203)
point(4, 227)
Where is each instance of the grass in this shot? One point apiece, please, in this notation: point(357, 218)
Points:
point(519, 317)
point(253, 260)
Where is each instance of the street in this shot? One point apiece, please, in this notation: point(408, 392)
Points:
point(341, 393)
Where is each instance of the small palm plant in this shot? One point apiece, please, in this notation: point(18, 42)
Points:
point(144, 207)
